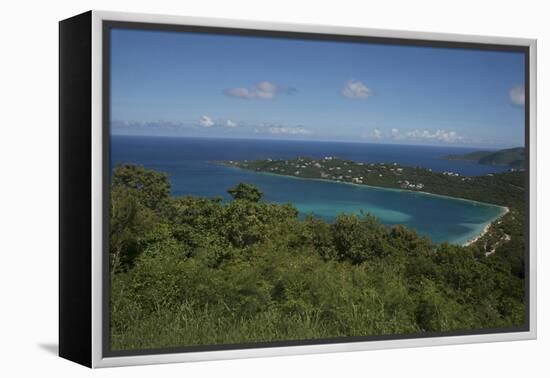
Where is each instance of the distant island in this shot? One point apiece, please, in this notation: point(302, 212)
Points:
point(511, 157)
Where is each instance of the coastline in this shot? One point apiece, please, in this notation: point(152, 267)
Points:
point(486, 228)
point(504, 208)
point(472, 240)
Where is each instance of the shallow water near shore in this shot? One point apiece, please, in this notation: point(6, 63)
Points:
point(189, 162)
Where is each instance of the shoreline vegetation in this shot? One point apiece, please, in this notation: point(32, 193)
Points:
point(393, 176)
point(471, 241)
point(378, 188)
point(374, 175)
point(194, 271)
point(486, 229)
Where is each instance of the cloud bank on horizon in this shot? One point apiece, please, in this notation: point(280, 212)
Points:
point(425, 135)
point(222, 86)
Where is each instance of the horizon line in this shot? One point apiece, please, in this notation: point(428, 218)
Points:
point(489, 147)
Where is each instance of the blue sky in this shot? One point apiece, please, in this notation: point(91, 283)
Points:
point(190, 84)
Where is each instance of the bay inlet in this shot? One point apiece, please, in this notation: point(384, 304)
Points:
point(188, 163)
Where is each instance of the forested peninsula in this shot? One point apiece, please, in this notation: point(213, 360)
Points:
point(503, 189)
point(195, 271)
point(510, 157)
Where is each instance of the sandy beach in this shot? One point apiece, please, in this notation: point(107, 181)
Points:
point(485, 229)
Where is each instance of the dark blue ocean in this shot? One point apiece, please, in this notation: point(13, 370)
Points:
point(190, 164)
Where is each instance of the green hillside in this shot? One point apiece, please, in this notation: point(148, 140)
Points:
point(474, 156)
point(195, 271)
point(510, 157)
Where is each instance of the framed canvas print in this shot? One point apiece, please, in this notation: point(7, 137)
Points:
point(236, 189)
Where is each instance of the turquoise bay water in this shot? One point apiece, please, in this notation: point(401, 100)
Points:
point(190, 164)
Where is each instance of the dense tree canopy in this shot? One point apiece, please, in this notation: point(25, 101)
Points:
point(196, 271)
point(245, 192)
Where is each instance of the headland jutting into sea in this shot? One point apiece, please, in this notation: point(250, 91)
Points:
point(491, 189)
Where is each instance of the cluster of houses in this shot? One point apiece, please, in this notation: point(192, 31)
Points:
point(343, 173)
point(333, 173)
point(300, 164)
point(451, 174)
point(340, 172)
point(405, 184)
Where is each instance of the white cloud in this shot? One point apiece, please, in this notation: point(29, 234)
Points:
point(355, 89)
point(281, 130)
point(442, 136)
point(263, 90)
point(266, 90)
point(288, 130)
point(376, 133)
point(238, 92)
point(437, 135)
point(158, 125)
point(395, 133)
point(230, 123)
point(517, 95)
point(206, 121)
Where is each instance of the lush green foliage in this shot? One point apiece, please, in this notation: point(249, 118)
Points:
point(245, 192)
point(193, 271)
point(505, 236)
point(505, 189)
